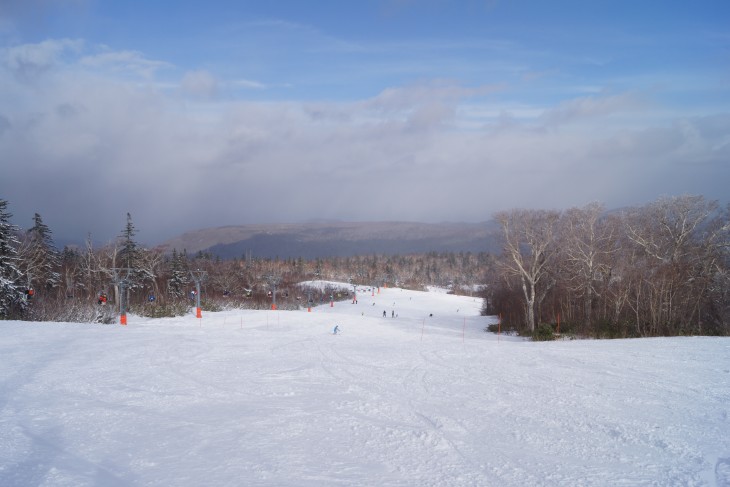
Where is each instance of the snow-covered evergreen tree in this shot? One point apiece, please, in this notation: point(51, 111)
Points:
point(39, 258)
point(11, 287)
point(129, 253)
point(179, 274)
point(130, 256)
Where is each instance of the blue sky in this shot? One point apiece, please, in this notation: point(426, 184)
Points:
point(232, 112)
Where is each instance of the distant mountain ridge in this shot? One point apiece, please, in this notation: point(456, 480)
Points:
point(321, 239)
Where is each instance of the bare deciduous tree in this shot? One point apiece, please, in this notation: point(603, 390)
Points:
point(587, 243)
point(529, 245)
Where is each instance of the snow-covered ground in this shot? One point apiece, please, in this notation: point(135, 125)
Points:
point(250, 398)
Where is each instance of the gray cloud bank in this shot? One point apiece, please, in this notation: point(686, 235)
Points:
point(86, 137)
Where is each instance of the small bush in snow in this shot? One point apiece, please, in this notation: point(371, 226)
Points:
point(543, 333)
point(159, 310)
point(505, 330)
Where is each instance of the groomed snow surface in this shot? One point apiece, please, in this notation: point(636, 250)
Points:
point(273, 398)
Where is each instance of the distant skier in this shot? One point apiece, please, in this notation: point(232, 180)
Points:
point(392, 315)
point(335, 329)
point(384, 314)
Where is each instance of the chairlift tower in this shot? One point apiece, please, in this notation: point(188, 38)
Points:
point(384, 280)
point(198, 277)
point(28, 296)
point(121, 280)
point(354, 290)
point(274, 282)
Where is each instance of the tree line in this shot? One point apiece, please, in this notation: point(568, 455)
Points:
point(654, 270)
point(40, 282)
point(661, 269)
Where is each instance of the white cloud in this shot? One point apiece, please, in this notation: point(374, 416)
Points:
point(94, 147)
point(248, 84)
point(29, 60)
point(397, 98)
point(200, 84)
point(579, 109)
point(131, 62)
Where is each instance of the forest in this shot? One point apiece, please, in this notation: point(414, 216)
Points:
point(661, 269)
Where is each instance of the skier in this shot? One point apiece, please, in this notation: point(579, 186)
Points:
point(336, 329)
point(384, 314)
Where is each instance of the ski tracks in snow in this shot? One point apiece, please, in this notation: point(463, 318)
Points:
point(392, 407)
point(274, 399)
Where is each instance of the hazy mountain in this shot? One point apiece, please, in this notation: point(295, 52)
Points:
point(325, 239)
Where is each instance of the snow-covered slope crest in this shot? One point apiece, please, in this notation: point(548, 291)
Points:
point(420, 397)
point(322, 285)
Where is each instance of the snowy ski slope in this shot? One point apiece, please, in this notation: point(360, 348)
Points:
point(272, 398)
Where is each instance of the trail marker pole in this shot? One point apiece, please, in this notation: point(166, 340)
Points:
point(354, 290)
point(122, 303)
point(198, 277)
point(499, 326)
point(558, 322)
